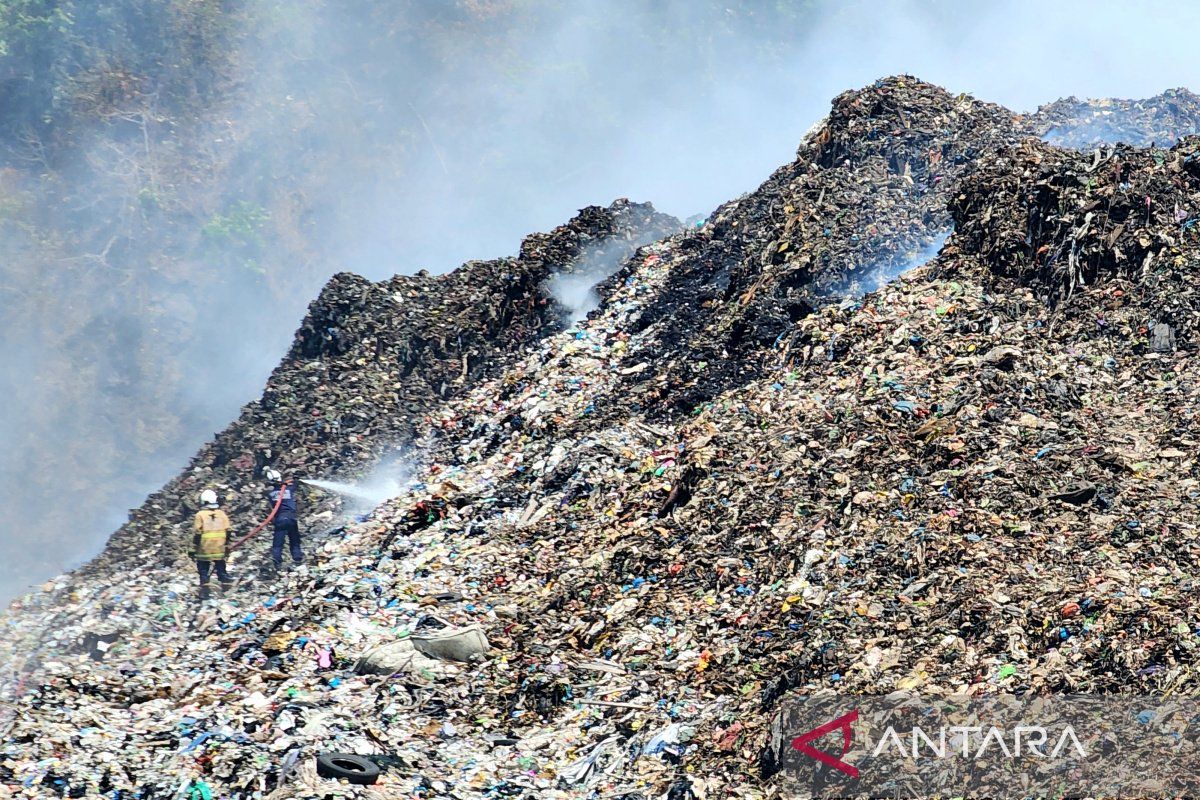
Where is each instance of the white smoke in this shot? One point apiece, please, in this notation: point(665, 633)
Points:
point(890, 270)
point(575, 290)
point(576, 293)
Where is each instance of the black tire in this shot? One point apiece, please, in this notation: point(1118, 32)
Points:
point(347, 767)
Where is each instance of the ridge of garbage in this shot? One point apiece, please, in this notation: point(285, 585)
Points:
point(1161, 120)
point(370, 360)
point(721, 487)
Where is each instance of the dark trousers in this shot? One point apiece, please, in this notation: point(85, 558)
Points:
point(291, 530)
point(205, 567)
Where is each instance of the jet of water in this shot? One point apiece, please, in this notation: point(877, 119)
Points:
point(364, 494)
point(383, 484)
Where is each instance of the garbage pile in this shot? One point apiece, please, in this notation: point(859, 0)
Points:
point(1087, 124)
point(866, 190)
point(1059, 221)
point(978, 478)
point(368, 363)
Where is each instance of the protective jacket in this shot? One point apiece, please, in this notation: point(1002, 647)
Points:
point(211, 532)
point(287, 506)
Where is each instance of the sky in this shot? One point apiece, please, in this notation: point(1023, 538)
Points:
point(688, 129)
point(688, 152)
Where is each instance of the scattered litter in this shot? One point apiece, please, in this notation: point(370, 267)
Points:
point(623, 543)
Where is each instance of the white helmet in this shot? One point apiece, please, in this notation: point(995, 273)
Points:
point(272, 475)
point(208, 497)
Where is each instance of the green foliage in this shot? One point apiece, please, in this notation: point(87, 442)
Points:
point(27, 25)
point(242, 224)
point(149, 198)
point(237, 235)
point(59, 58)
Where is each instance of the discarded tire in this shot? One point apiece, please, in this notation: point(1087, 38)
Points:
point(347, 767)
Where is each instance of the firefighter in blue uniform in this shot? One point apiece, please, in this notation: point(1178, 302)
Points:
point(286, 523)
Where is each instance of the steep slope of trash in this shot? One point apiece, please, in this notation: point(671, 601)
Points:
point(979, 477)
point(867, 189)
point(866, 192)
point(370, 361)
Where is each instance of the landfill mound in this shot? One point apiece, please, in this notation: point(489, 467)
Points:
point(368, 364)
point(628, 540)
point(1086, 124)
point(866, 197)
point(866, 190)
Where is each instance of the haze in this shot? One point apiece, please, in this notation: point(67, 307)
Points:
point(516, 115)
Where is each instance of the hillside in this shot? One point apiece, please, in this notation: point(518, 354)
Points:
point(179, 178)
point(766, 464)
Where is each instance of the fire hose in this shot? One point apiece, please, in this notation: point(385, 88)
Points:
point(263, 524)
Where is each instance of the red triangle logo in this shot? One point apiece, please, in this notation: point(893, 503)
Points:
point(801, 743)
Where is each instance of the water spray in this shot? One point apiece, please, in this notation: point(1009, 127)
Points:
point(386, 482)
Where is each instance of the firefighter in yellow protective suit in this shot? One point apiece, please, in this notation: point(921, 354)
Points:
point(211, 533)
